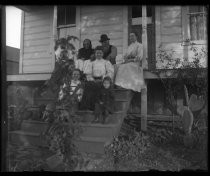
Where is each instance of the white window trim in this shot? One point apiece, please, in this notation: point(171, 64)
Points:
point(66, 26)
point(69, 25)
point(138, 21)
point(186, 28)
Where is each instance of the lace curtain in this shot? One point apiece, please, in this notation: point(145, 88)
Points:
point(197, 16)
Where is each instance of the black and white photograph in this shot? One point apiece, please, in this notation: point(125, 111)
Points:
point(105, 88)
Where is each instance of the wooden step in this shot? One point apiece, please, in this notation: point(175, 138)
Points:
point(26, 138)
point(34, 126)
point(92, 144)
point(122, 93)
point(88, 116)
point(120, 105)
point(98, 130)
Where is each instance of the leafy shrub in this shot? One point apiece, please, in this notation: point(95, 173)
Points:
point(124, 148)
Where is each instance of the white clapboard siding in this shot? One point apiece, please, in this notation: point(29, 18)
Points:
point(40, 61)
point(37, 45)
point(37, 17)
point(101, 29)
point(171, 30)
point(97, 20)
point(37, 29)
point(170, 34)
point(36, 48)
point(29, 43)
point(172, 38)
point(115, 35)
point(36, 36)
point(38, 69)
point(35, 55)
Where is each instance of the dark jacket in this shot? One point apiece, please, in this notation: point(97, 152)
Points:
point(85, 53)
point(106, 96)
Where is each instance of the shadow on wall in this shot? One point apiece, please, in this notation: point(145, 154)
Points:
point(12, 58)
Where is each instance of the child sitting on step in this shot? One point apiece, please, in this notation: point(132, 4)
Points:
point(105, 102)
point(72, 89)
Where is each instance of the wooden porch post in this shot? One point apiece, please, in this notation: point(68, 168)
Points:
point(54, 35)
point(144, 65)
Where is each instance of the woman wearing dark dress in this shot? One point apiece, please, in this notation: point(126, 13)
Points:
point(85, 54)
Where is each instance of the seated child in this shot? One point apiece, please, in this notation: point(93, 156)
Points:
point(105, 101)
point(73, 88)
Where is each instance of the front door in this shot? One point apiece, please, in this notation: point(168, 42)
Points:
point(135, 25)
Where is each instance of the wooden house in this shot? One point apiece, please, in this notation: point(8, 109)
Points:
point(169, 26)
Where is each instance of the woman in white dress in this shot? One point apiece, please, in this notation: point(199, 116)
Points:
point(130, 73)
point(95, 71)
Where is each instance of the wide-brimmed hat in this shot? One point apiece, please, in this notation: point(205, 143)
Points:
point(104, 37)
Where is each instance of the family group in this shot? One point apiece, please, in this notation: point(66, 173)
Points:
point(93, 73)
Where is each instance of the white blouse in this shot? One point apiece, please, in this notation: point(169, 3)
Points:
point(73, 85)
point(135, 50)
point(99, 68)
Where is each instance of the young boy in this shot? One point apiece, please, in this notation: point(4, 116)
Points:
point(105, 102)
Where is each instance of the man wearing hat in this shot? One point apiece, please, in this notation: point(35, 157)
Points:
point(110, 51)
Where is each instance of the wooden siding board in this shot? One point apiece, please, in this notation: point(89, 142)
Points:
point(34, 55)
point(169, 8)
point(157, 26)
point(172, 38)
point(172, 14)
point(38, 10)
point(100, 29)
point(38, 61)
point(171, 22)
point(102, 21)
point(37, 69)
point(38, 17)
point(36, 48)
point(37, 36)
point(30, 43)
point(42, 22)
point(171, 30)
point(112, 35)
point(39, 29)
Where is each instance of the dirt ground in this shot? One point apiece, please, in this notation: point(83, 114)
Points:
point(161, 158)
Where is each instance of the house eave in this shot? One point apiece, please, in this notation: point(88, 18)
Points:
point(24, 8)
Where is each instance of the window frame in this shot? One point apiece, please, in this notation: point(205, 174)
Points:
point(186, 27)
point(68, 25)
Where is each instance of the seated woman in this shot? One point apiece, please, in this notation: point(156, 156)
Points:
point(129, 75)
point(95, 71)
point(85, 54)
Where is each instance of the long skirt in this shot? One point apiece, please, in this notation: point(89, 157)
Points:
point(89, 98)
point(130, 76)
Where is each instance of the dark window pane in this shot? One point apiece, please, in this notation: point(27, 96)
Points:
point(193, 9)
point(137, 11)
point(70, 14)
point(149, 11)
point(61, 15)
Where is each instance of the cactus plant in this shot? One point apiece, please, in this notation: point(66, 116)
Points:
point(196, 103)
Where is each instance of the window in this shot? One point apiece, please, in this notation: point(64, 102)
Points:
point(137, 11)
point(197, 22)
point(66, 15)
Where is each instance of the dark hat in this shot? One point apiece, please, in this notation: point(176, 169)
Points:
point(104, 37)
